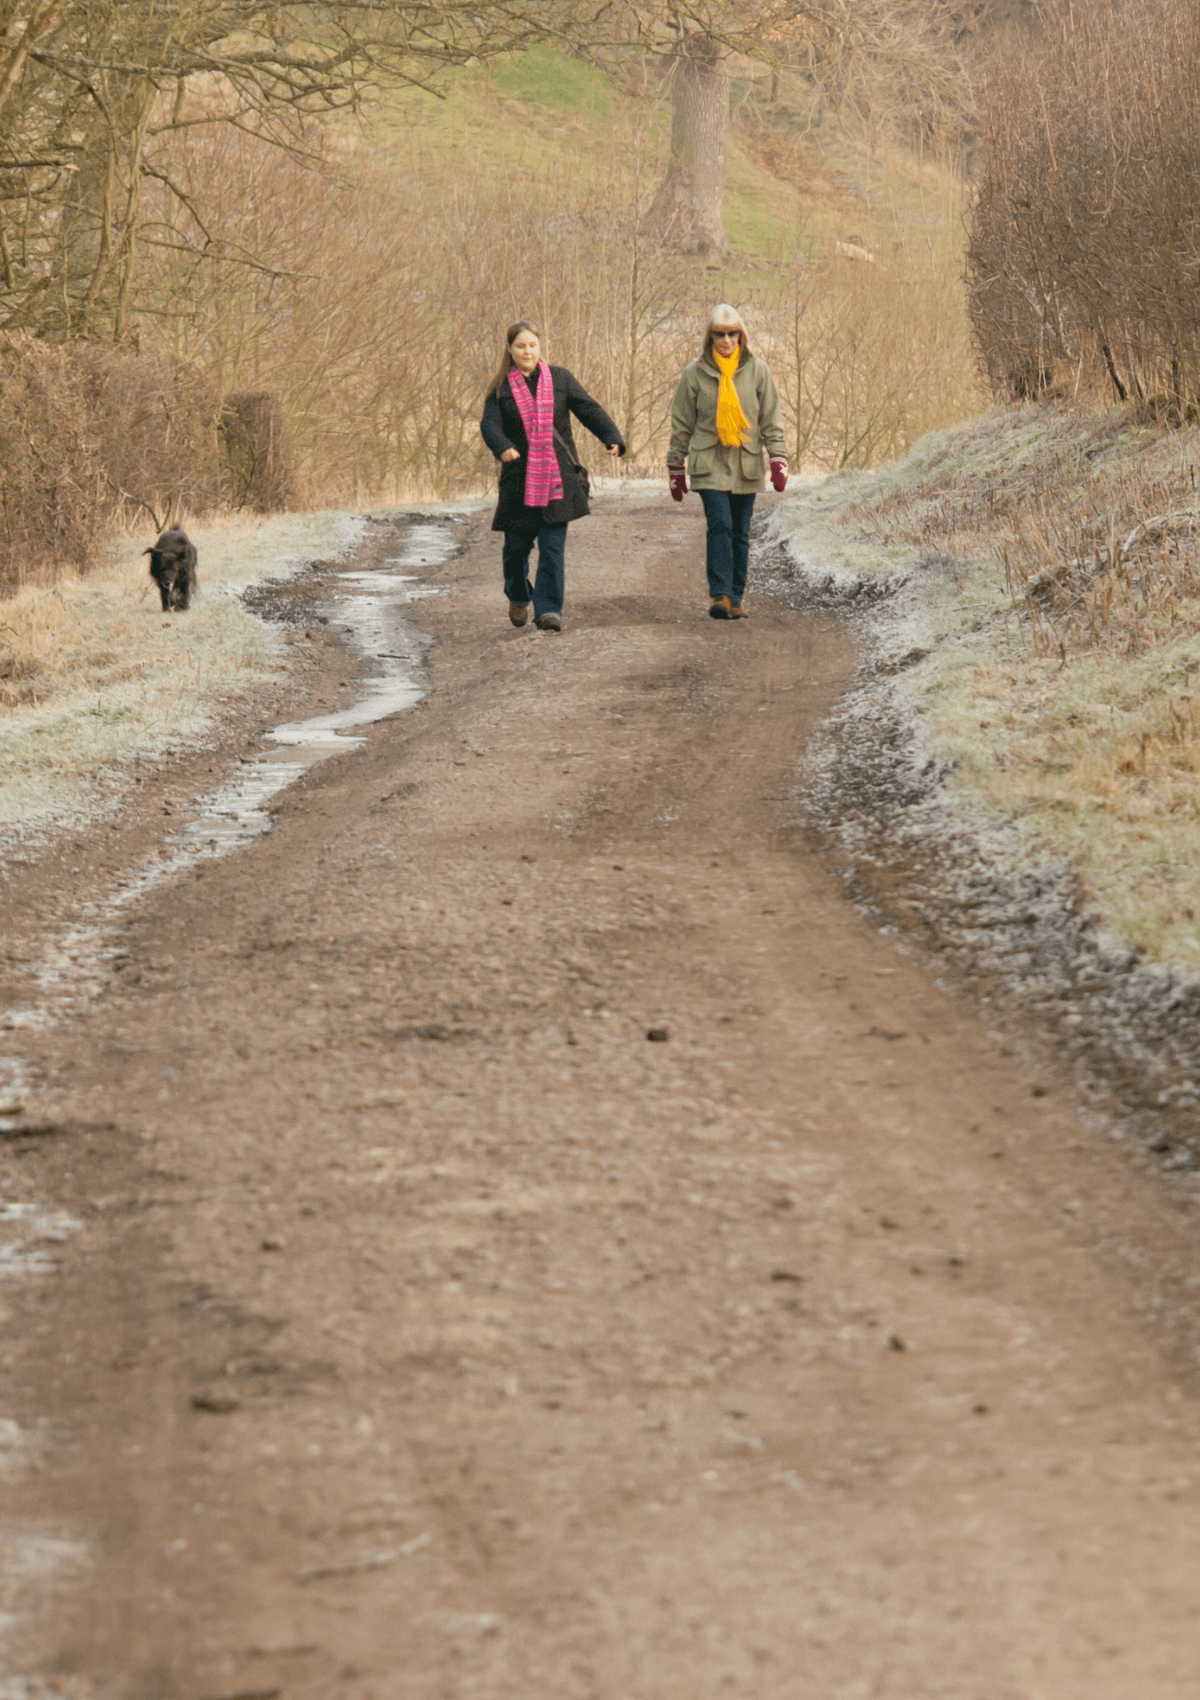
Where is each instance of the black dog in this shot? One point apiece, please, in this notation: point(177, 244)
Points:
point(173, 569)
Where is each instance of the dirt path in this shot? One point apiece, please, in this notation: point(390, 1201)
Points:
point(432, 1332)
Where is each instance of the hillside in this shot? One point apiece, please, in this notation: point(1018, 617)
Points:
point(520, 189)
point(794, 183)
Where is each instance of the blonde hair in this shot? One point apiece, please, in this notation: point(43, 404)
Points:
point(506, 359)
point(724, 314)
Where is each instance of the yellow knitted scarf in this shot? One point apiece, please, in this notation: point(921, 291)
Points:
point(732, 423)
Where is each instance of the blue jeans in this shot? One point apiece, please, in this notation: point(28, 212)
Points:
point(728, 556)
point(547, 594)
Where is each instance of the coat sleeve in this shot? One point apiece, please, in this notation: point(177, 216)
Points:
point(590, 413)
point(683, 422)
point(770, 418)
point(491, 427)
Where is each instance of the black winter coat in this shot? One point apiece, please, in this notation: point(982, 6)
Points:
point(502, 429)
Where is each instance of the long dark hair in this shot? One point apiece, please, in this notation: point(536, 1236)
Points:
point(506, 360)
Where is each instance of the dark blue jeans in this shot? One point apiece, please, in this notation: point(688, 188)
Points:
point(728, 557)
point(547, 594)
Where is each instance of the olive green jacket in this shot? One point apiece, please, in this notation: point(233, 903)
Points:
point(710, 465)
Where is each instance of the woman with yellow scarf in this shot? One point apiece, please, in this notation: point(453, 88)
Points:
point(724, 417)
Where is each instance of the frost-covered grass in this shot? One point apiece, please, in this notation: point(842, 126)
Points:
point(1059, 683)
point(1094, 756)
point(95, 674)
point(813, 517)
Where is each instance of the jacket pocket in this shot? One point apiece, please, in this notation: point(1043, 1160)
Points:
point(702, 462)
point(752, 465)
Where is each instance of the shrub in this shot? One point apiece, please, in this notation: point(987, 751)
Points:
point(89, 437)
point(256, 452)
point(1084, 254)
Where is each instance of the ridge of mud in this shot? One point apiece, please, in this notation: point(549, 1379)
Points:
point(1014, 928)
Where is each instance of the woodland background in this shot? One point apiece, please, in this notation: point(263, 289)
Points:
point(262, 255)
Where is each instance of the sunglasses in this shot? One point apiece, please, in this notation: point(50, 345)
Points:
point(725, 336)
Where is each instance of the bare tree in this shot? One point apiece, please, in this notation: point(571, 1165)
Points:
point(876, 59)
point(85, 85)
point(88, 86)
point(690, 203)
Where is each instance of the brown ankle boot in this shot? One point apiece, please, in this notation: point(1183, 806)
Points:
point(720, 608)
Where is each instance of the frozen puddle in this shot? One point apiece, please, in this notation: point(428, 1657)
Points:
point(369, 610)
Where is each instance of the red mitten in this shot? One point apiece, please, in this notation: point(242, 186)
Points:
point(779, 475)
point(678, 479)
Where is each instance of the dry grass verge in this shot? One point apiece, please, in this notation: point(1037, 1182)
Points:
point(92, 674)
point(1055, 573)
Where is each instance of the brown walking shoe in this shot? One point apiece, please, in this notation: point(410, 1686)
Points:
point(720, 608)
point(738, 611)
point(518, 612)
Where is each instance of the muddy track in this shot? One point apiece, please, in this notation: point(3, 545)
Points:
point(418, 1325)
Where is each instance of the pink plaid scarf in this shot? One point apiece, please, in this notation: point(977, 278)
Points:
point(543, 480)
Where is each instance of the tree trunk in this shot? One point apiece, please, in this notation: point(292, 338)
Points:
point(99, 219)
point(688, 208)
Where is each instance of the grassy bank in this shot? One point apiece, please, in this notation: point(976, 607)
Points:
point(1055, 567)
point(93, 675)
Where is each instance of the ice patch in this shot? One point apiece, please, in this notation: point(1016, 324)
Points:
point(370, 610)
point(30, 1561)
point(28, 1251)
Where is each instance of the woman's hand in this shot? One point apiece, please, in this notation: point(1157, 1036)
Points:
point(614, 448)
point(511, 454)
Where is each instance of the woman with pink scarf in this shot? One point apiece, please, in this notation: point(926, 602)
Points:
point(527, 425)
